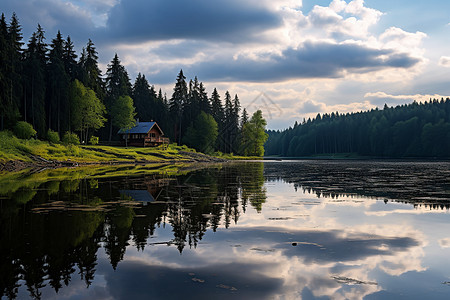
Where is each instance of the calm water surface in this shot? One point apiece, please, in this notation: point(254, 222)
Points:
point(254, 230)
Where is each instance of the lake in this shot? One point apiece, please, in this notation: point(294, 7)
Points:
point(240, 230)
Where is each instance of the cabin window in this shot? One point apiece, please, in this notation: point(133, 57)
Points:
point(152, 134)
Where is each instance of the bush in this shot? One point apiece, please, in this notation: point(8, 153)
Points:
point(52, 136)
point(71, 138)
point(93, 140)
point(24, 130)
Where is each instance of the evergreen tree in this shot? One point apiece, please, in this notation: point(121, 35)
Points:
point(244, 118)
point(4, 103)
point(70, 60)
point(204, 104)
point(58, 85)
point(202, 134)
point(218, 115)
point(35, 87)
point(143, 100)
point(235, 124)
point(117, 85)
point(91, 75)
point(226, 132)
point(10, 70)
point(177, 103)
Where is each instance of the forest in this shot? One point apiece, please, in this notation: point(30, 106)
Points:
point(49, 92)
point(406, 131)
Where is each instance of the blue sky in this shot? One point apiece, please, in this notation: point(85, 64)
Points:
point(291, 58)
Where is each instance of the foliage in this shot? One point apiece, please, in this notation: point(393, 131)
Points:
point(123, 112)
point(70, 138)
point(254, 136)
point(93, 140)
point(414, 130)
point(24, 130)
point(202, 134)
point(53, 136)
point(86, 109)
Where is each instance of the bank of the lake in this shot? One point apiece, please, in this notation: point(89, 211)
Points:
point(17, 154)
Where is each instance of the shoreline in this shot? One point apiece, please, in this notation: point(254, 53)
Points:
point(38, 163)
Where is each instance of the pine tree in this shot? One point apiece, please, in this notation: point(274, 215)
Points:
point(58, 85)
point(117, 85)
point(177, 103)
point(70, 60)
point(143, 98)
point(4, 105)
point(91, 75)
point(235, 124)
point(35, 87)
point(216, 108)
point(218, 115)
point(205, 104)
point(11, 69)
point(226, 132)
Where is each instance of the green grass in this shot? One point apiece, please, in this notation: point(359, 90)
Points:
point(11, 182)
point(12, 148)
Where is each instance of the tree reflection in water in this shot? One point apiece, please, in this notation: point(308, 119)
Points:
point(53, 223)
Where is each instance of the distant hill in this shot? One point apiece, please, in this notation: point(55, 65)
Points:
point(413, 130)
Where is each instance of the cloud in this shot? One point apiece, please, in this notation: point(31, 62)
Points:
point(380, 98)
point(396, 38)
point(311, 107)
point(340, 19)
point(52, 15)
point(444, 243)
point(138, 281)
point(444, 61)
point(221, 20)
point(311, 60)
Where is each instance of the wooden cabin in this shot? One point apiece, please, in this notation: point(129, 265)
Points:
point(144, 134)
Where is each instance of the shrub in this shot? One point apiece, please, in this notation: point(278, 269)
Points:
point(52, 136)
point(93, 140)
point(24, 130)
point(71, 138)
point(73, 150)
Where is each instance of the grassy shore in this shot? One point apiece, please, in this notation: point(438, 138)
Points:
point(35, 152)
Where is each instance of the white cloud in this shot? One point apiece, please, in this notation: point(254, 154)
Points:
point(396, 38)
point(444, 61)
point(444, 243)
point(374, 97)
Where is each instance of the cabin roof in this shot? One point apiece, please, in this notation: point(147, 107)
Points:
point(140, 127)
point(138, 195)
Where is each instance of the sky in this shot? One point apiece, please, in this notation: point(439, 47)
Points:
point(292, 59)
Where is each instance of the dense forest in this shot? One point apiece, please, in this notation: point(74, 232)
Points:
point(58, 93)
point(413, 130)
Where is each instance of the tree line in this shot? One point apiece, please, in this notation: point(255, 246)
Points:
point(56, 91)
point(410, 130)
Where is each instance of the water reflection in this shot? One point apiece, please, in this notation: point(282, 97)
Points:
point(63, 216)
point(241, 229)
point(424, 184)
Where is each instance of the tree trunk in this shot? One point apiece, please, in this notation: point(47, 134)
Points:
point(32, 101)
point(25, 105)
point(110, 131)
